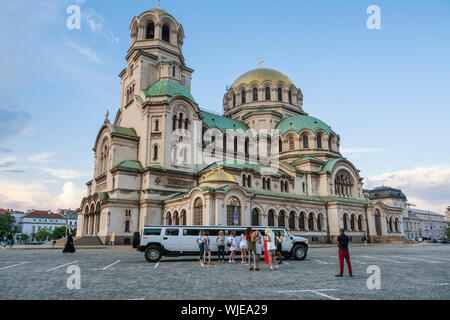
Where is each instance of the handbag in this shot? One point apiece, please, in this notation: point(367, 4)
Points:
point(229, 244)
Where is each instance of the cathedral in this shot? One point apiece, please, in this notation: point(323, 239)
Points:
point(264, 162)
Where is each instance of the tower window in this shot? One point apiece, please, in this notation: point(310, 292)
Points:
point(243, 96)
point(319, 141)
point(180, 121)
point(267, 93)
point(290, 96)
point(305, 142)
point(156, 125)
point(186, 123)
point(234, 100)
point(155, 153)
point(255, 94)
point(280, 94)
point(174, 123)
point(166, 33)
point(173, 71)
point(150, 31)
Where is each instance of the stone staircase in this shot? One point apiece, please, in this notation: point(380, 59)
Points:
point(79, 241)
point(392, 240)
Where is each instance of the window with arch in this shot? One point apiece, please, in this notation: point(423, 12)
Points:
point(319, 222)
point(173, 71)
point(281, 219)
point(186, 124)
point(280, 145)
point(168, 219)
point(234, 100)
point(224, 142)
point(233, 208)
point(255, 94)
point(282, 186)
point(360, 228)
point(290, 96)
point(301, 221)
point(150, 31)
point(244, 180)
point(174, 123)
point(255, 217)
point(291, 144)
point(180, 121)
point(243, 98)
point(183, 218)
point(271, 218)
point(264, 183)
point(352, 223)
point(305, 141)
point(155, 153)
point(377, 218)
point(396, 223)
point(156, 125)
point(345, 221)
point(235, 144)
point(311, 222)
point(127, 226)
point(343, 184)
point(165, 33)
point(292, 220)
point(319, 141)
point(246, 146)
point(280, 94)
point(249, 181)
point(268, 181)
point(198, 212)
point(267, 93)
point(330, 143)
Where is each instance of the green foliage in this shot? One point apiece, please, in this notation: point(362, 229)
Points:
point(59, 233)
point(42, 235)
point(24, 237)
point(6, 224)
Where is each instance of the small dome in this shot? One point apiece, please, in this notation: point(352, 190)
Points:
point(299, 123)
point(386, 192)
point(262, 75)
point(219, 176)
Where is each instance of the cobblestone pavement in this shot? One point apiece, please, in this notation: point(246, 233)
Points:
point(416, 272)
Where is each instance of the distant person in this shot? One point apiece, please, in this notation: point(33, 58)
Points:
point(342, 243)
point(10, 239)
point(243, 246)
point(207, 248)
point(232, 244)
point(221, 246)
point(251, 246)
point(364, 239)
point(201, 245)
point(271, 249)
point(256, 238)
point(69, 247)
point(279, 245)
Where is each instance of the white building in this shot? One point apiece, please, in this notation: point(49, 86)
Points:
point(425, 224)
point(71, 216)
point(36, 220)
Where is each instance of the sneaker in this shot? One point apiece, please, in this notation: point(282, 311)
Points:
point(338, 275)
point(257, 269)
point(250, 269)
point(351, 275)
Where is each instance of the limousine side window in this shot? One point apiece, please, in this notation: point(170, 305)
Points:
point(191, 232)
point(172, 232)
point(152, 232)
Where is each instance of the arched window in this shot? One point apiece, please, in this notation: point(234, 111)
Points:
point(244, 180)
point(246, 146)
point(249, 181)
point(255, 217)
point(319, 141)
point(166, 33)
point(174, 123)
point(292, 220)
point(150, 31)
point(305, 142)
point(280, 94)
point(280, 145)
point(343, 184)
point(291, 143)
point(264, 183)
point(255, 94)
point(377, 218)
point(168, 219)
point(391, 229)
point(281, 219)
point(243, 97)
point(301, 221)
point(319, 222)
point(233, 211)
point(235, 145)
point(345, 222)
point(155, 153)
point(173, 71)
point(290, 96)
point(234, 100)
point(180, 121)
point(311, 222)
point(198, 212)
point(267, 93)
point(329, 143)
point(156, 125)
point(286, 186)
point(268, 184)
point(352, 223)
point(176, 221)
point(271, 218)
point(360, 223)
point(186, 123)
point(127, 226)
point(396, 224)
point(183, 217)
point(224, 141)
point(281, 186)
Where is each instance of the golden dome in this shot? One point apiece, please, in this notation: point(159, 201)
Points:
point(262, 75)
point(219, 176)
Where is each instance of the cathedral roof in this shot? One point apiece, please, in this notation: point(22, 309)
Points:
point(386, 192)
point(129, 164)
point(124, 131)
point(168, 88)
point(219, 176)
point(222, 123)
point(260, 76)
point(254, 167)
point(301, 122)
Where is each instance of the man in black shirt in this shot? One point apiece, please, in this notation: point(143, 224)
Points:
point(342, 243)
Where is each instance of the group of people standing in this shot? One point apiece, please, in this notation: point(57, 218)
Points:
point(251, 244)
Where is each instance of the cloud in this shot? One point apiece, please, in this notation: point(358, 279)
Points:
point(13, 120)
point(7, 162)
point(63, 173)
point(360, 150)
point(42, 157)
point(70, 197)
point(96, 24)
point(426, 187)
point(85, 51)
point(13, 171)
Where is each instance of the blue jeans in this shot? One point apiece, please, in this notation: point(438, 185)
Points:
point(202, 251)
point(10, 243)
point(221, 252)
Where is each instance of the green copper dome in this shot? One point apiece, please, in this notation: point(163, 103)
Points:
point(260, 76)
point(299, 123)
point(168, 88)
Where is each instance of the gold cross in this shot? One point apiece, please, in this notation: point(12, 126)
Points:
point(260, 62)
point(159, 4)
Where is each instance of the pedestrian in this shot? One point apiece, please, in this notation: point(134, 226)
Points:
point(221, 246)
point(279, 245)
point(201, 245)
point(10, 239)
point(257, 239)
point(243, 247)
point(271, 249)
point(364, 239)
point(232, 244)
point(251, 246)
point(207, 248)
point(69, 247)
point(342, 243)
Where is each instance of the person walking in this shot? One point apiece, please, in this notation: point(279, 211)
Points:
point(251, 247)
point(201, 245)
point(10, 239)
point(364, 239)
point(220, 240)
point(279, 245)
point(232, 243)
point(243, 247)
point(207, 248)
point(257, 239)
point(271, 248)
point(69, 247)
point(342, 243)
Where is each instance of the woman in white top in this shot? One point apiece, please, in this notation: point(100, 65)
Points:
point(271, 248)
point(232, 243)
point(243, 245)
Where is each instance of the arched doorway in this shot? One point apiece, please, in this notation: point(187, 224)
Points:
point(233, 208)
point(198, 212)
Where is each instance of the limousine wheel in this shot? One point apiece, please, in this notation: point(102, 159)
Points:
point(153, 254)
point(299, 252)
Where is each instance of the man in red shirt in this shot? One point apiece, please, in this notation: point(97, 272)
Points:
point(342, 243)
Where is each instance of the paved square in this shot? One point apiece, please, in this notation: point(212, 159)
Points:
point(413, 272)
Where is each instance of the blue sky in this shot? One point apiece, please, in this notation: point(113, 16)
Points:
point(386, 92)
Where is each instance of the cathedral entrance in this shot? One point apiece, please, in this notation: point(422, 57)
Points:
point(233, 212)
point(378, 222)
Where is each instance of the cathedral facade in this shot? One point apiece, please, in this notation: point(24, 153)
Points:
point(264, 162)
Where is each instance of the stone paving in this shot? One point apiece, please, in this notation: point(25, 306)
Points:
point(407, 272)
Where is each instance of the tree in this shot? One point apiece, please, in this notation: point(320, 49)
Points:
point(6, 224)
point(24, 237)
point(59, 233)
point(42, 235)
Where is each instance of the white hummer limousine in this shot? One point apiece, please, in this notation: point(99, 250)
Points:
point(158, 241)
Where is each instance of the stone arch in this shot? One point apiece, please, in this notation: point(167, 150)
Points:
point(292, 217)
point(301, 221)
point(282, 218)
point(306, 136)
point(256, 217)
point(311, 224)
point(271, 218)
point(234, 207)
point(198, 212)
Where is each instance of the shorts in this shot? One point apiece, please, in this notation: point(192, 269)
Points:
point(271, 252)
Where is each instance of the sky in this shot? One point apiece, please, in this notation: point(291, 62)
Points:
point(386, 92)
